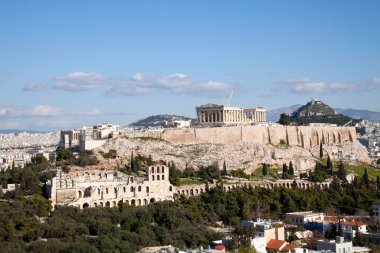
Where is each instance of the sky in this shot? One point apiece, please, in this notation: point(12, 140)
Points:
point(66, 64)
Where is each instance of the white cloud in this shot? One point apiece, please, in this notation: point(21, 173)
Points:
point(3, 110)
point(39, 110)
point(178, 83)
point(376, 80)
point(306, 85)
point(44, 110)
point(35, 87)
point(137, 77)
point(92, 112)
point(78, 81)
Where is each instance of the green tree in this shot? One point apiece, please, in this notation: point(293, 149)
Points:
point(284, 119)
point(365, 179)
point(225, 173)
point(291, 169)
point(329, 165)
point(341, 171)
point(378, 182)
point(265, 169)
point(320, 150)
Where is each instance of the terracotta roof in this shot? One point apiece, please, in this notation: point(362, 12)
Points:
point(353, 223)
point(288, 247)
point(276, 244)
point(332, 219)
point(220, 247)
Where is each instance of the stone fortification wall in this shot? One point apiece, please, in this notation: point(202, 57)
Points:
point(304, 136)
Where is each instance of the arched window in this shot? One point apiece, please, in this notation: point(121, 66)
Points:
point(131, 188)
point(79, 194)
point(123, 189)
point(163, 169)
point(98, 191)
point(139, 202)
point(139, 189)
point(115, 189)
point(152, 169)
point(170, 188)
point(158, 177)
point(132, 180)
point(147, 189)
point(158, 169)
point(106, 190)
point(162, 177)
point(152, 177)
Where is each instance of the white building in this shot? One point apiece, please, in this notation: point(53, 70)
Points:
point(267, 229)
point(300, 218)
point(88, 138)
point(337, 246)
point(350, 228)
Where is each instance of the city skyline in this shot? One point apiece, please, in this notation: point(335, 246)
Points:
point(68, 64)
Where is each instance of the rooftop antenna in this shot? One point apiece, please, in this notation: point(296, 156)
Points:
point(229, 99)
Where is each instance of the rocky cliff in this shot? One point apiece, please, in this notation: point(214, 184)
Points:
point(303, 136)
point(245, 155)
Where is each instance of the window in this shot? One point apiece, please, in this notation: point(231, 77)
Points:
point(158, 169)
point(152, 177)
point(98, 191)
point(139, 188)
point(158, 177)
point(123, 189)
point(162, 177)
point(131, 188)
point(106, 190)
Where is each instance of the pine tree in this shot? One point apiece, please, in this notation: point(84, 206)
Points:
point(378, 182)
point(265, 169)
point(320, 151)
point(365, 179)
point(291, 169)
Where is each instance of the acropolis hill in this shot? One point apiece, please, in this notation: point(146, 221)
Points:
point(245, 147)
point(240, 137)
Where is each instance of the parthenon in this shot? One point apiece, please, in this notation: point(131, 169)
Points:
point(212, 114)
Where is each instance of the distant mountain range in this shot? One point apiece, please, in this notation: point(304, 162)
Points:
point(274, 115)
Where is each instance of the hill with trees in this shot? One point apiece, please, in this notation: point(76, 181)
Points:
point(157, 120)
point(318, 112)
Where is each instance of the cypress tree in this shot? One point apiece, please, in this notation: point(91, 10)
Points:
point(224, 169)
point(265, 169)
point(341, 172)
point(291, 169)
point(329, 165)
point(320, 151)
point(132, 162)
point(365, 178)
point(378, 182)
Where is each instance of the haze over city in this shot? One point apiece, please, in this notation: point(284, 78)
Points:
point(71, 63)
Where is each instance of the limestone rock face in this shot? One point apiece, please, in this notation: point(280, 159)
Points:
point(244, 155)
